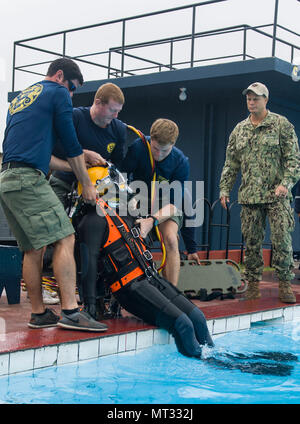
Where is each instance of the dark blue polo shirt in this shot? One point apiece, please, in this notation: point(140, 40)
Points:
point(175, 167)
point(35, 118)
point(109, 142)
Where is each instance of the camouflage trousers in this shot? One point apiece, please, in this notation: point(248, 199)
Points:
point(281, 220)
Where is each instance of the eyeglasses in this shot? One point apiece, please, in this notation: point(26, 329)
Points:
point(72, 86)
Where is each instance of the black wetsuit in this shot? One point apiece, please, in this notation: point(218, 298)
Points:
point(154, 300)
point(159, 303)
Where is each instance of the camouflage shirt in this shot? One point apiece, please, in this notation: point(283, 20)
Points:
point(267, 155)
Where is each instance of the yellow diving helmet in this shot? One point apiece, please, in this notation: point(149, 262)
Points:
point(100, 178)
point(104, 177)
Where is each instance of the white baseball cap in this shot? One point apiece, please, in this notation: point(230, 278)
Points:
point(257, 88)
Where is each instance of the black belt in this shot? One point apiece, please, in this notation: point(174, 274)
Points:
point(9, 165)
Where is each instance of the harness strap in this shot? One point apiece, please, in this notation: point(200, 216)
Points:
point(141, 257)
point(123, 272)
point(153, 193)
point(131, 276)
point(148, 269)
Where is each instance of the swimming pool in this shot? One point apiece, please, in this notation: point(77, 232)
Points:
point(160, 375)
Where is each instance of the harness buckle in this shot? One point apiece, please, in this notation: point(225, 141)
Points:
point(135, 231)
point(147, 255)
point(148, 272)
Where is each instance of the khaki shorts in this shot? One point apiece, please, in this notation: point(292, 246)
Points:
point(61, 189)
point(178, 219)
point(33, 211)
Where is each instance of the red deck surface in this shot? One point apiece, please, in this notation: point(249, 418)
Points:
point(16, 335)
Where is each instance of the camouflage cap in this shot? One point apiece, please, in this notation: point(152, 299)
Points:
point(257, 88)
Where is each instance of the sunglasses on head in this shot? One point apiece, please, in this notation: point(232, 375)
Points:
point(72, 86)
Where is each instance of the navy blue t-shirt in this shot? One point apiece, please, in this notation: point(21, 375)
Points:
point(175, 167)
point(35, 118)
point(109, 142)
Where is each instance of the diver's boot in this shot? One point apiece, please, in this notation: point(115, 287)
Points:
point(91, 309)
point(252, 290)
point(285, 292)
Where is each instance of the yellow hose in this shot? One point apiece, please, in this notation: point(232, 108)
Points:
point(158, 233)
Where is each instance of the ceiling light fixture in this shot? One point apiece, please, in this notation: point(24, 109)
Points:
point(182, 94)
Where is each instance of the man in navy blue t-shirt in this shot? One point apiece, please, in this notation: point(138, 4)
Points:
point(101, 135)
point(35, 117)
point(169, 165)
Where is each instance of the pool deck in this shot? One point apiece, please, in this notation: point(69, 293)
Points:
point(222, 315)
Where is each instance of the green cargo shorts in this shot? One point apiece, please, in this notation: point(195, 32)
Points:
point(178, 219)
point(61, 189)
point(34, 213)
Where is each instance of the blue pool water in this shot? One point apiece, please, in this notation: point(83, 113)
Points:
point(161, 375)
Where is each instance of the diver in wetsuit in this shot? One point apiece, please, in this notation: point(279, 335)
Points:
point(142, 292)
point(127, 269)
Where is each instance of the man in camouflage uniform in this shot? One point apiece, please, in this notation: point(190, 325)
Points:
point(264, 147)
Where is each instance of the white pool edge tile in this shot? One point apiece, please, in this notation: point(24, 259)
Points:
point(73, 352)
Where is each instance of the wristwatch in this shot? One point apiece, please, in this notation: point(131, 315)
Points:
point(155, 220)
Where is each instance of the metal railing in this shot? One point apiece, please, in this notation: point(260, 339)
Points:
point(139, 51)
point(211, 224)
